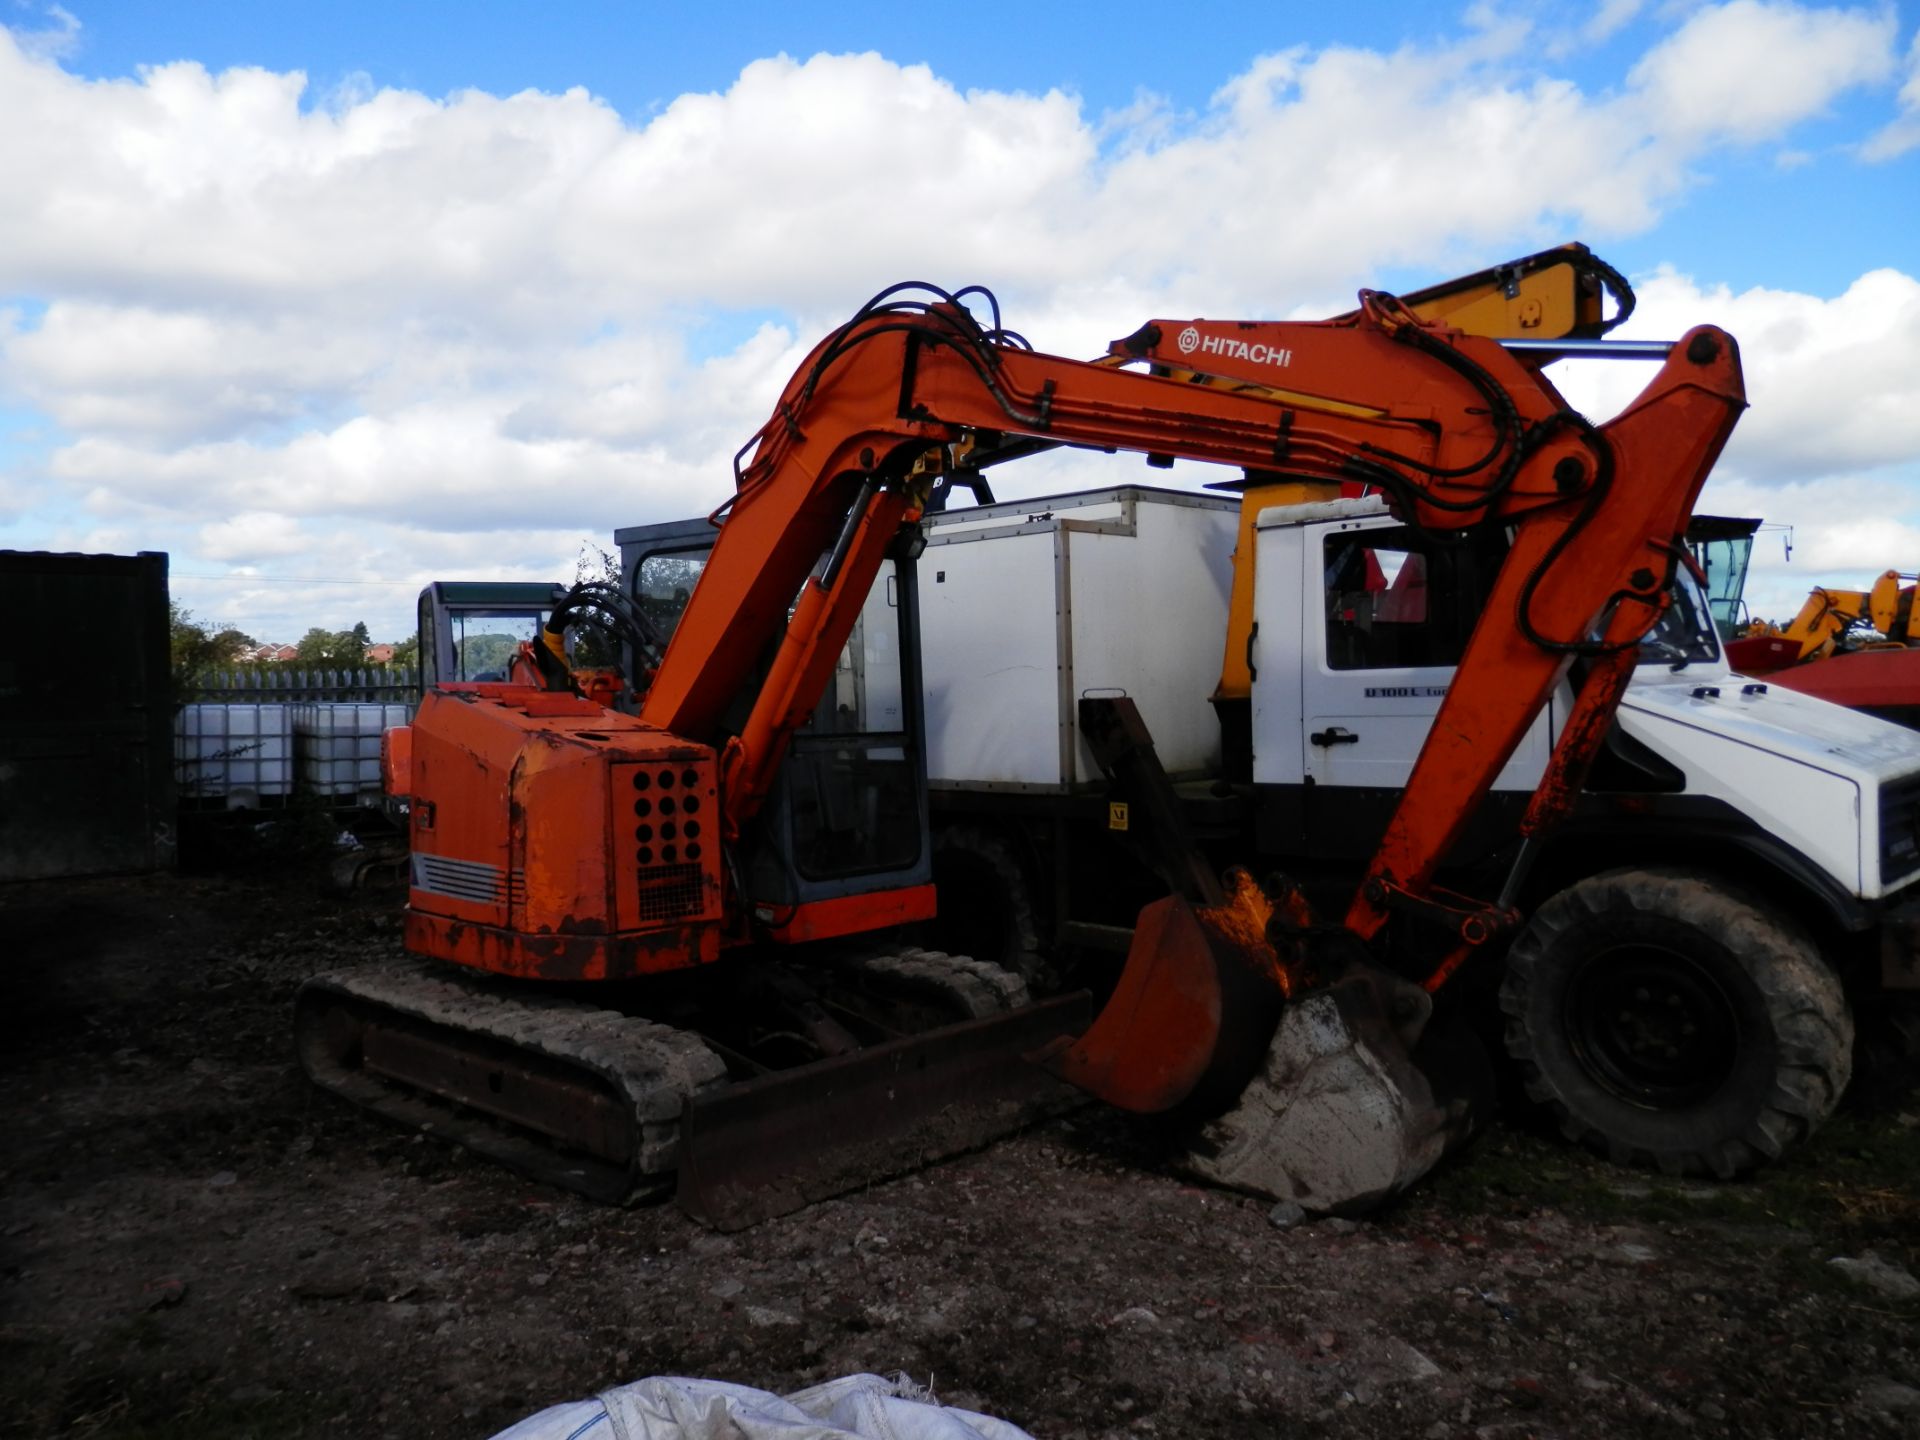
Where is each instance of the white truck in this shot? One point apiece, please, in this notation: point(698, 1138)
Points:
point(1742, 871)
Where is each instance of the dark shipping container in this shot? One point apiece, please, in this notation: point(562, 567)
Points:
point(86, 715)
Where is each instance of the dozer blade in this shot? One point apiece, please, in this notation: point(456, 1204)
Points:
point(769, 1146)
point(1192, 1013)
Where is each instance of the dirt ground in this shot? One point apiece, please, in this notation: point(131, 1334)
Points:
point(193, 1242)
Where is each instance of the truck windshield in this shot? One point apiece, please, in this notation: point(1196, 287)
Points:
point(1686, 632)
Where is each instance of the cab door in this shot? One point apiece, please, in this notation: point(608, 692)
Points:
point(1395, 611)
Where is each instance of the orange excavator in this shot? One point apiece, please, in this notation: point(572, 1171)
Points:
point(659, 936)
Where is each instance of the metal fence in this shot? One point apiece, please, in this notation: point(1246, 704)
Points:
point(275, 684)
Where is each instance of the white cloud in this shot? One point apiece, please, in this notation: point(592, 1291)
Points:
point(172, 376)
point(376, 329)
point(57, 36)
point(1902, 134)
point(249, 538)
point(1745, 69)
point(1830, 381)
point(1609, 18)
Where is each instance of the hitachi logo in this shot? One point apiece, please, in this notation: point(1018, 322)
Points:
point(1191, 341)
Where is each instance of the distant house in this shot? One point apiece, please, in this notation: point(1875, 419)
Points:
point(381, 654)
point(262, 654)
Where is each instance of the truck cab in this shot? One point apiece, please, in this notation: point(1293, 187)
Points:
point(1741, 858)
point(1343, 699)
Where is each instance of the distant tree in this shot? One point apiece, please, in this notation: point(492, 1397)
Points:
point(595, 562)
point(487, 656)
point(406, 654)
point(361, 635)
point(335, 648)
point(198, 647)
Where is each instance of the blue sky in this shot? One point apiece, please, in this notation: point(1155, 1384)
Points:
point(640, 56)
point(408, 319)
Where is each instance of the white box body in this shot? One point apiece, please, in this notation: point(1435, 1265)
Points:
point(1026, 606)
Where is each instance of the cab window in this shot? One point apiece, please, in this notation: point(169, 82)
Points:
point(1395, 600)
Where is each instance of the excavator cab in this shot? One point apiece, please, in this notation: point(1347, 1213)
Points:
point(842, 845)
point(1721, 546)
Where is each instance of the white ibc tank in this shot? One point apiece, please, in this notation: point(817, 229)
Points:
point(240, 753)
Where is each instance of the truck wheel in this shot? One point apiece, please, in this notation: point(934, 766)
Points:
point(986, 908)
point(1671, 1023)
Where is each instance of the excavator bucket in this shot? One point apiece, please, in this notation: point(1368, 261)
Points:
point(1319, 1081)
point(1359, 1095)
point(1312, 1068)
point(1192, 1013)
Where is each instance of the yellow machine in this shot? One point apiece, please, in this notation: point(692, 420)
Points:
point(1828, 616)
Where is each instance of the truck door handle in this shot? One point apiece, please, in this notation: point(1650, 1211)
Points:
point(1334, 735)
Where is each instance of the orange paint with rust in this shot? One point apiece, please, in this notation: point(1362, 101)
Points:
point(558, 839)
point(851, 915)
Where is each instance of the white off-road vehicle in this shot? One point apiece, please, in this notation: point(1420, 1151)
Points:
point(1739, 876)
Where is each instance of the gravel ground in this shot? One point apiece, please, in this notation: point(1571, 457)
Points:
point(194, 1242)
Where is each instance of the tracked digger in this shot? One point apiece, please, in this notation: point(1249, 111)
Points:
point(655, 941)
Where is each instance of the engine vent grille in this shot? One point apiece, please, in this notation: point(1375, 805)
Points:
point(670, 892)
point(1899, 831)
point(468, 880)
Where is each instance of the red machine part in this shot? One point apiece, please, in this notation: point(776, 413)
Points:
point(1884, 681)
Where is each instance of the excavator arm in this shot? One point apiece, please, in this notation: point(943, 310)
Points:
point(1452, 427)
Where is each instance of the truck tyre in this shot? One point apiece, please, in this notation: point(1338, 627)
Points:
point(986, 906)
point(1672, 1023)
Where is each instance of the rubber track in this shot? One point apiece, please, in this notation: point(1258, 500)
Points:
point(975, 988)
point(654, 1069)
point(1024, 955)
